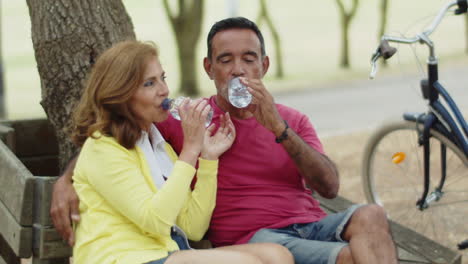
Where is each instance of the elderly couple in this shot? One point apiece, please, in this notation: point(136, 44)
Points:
point(146, 183)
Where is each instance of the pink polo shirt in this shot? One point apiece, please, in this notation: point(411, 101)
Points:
point(259, 185)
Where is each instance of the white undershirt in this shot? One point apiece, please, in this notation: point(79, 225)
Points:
point(158, 161)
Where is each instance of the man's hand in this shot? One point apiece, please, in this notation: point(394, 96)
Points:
point(263, 106)
point(317, 169)
point(65, 205)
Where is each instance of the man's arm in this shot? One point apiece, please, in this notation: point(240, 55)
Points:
point(318, 170)
point(65, 204)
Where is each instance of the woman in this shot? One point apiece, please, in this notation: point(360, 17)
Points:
point(135, 195)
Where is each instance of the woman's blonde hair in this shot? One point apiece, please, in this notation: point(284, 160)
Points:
point(104, 105)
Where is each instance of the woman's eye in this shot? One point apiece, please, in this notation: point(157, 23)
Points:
point(148, 83)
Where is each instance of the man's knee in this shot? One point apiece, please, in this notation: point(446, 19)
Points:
point(345, 257)
point(371, 215)
point(369, 218)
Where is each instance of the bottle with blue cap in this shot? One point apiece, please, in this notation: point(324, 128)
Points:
point(173, 106)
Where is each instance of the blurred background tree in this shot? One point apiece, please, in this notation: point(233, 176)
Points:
point(186, 25)
point(466, 33)
point(264, 15)
point(67, 37)
point(346, 17)
point(383, 22)
point(310, 33)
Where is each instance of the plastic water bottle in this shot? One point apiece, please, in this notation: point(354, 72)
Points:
point(173, 106)
point(239, 96)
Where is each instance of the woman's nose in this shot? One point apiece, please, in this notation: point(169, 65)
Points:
point(164, 91)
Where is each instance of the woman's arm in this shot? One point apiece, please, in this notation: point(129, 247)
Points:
point(114, 173)
point(195, 216)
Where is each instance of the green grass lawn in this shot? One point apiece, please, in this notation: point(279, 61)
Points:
point(310, 37)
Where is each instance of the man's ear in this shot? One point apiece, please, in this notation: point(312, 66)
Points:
point(265, 64)
point(207, 66)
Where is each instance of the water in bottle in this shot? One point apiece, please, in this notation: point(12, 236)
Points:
point(239, 96)
point(173, 106)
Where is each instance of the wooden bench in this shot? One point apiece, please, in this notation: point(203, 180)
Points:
point(28, 169)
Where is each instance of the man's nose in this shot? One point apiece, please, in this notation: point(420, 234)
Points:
point(238, 69)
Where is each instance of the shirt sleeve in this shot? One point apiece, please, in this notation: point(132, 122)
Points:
point(307, 132)
point(114, 173)
point(195, 216)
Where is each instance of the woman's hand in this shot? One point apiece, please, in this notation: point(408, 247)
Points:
point(217, 144)
point(193, 115)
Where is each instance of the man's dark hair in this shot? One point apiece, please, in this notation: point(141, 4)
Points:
point(234, 22)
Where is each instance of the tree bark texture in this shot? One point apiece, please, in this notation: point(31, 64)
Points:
point(264, 14)
point(346, 18)
point(187, 27)
point(67, 37)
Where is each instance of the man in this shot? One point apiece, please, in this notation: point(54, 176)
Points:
point(262, 195)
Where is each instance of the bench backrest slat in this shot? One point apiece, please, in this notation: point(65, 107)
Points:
point(17, 187)
point(19, 238)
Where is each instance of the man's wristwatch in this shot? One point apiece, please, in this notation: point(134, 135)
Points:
point(283, 135)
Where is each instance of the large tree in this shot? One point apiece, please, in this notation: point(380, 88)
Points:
point(67, 36)
point(346, 17)
point(264, 15)
point(186, 24)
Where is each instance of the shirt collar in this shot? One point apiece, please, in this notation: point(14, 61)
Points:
point(156, 138)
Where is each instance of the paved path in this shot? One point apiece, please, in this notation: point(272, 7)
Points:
point(363, 104)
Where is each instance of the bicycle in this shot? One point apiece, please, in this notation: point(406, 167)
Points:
point(417, 168)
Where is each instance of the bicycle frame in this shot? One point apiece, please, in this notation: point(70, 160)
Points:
point(437, 117)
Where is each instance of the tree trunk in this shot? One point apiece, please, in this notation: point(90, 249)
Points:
point(232, 8)
point(187, 28)
point(346, 19)
point(383, 23)
point(466, 33)
point(344, 62)
point(264, 14)
point(2, 93)
point(67, 37)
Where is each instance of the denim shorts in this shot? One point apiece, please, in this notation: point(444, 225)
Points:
point(181, 241)
point(311, 243)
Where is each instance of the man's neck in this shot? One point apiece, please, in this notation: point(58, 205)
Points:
point(238, 113)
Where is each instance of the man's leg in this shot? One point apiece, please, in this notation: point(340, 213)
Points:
point(305, 251)
point(369, 236)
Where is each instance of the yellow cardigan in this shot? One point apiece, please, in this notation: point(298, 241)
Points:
point(124, 218)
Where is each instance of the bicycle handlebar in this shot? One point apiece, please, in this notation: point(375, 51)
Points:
point(386, 51)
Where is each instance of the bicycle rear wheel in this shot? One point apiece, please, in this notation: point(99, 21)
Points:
point(393, 177)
